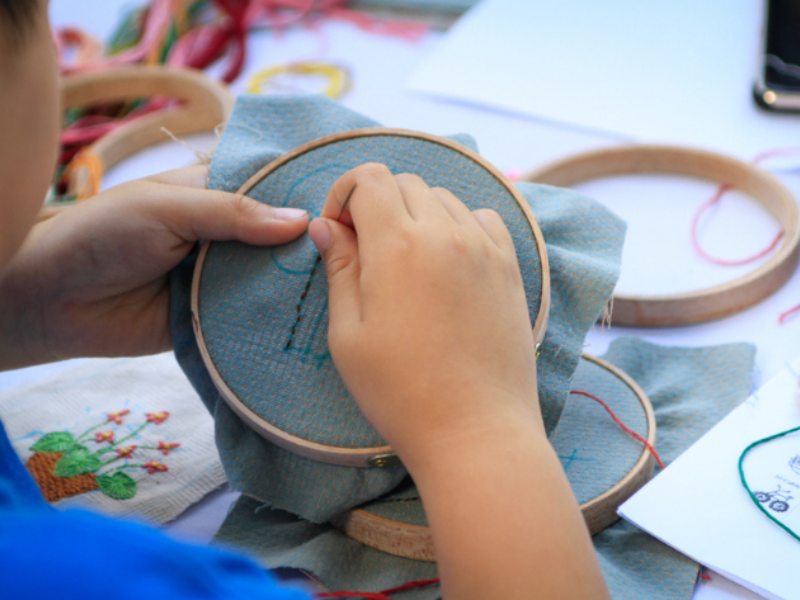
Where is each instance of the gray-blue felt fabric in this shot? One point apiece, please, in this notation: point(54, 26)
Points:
point(691, 389)
point(583, 246)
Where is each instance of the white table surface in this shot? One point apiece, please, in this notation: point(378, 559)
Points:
point(658, 254)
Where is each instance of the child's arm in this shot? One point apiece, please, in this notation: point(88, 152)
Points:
point(429, 328)
point(92, 281)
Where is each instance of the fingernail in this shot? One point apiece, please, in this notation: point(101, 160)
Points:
point(320, 233)
point(289, 214)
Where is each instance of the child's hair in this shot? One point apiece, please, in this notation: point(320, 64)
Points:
point(16, 18)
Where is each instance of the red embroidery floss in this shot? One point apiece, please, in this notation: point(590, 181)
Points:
point(622, 425)
point(382, 595)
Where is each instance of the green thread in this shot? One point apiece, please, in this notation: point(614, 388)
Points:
point(88, 431)
point(747, 487)
point(129, 436)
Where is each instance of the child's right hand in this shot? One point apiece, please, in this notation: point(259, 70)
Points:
point(429, 324)
point(429, 329)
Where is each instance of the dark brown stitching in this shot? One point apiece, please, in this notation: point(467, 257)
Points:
point(300, 303)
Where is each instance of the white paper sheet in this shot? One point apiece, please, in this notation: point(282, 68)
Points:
point(699, 506)
point(678, 71)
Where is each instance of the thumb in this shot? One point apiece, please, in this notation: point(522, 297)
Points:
point(338, 246)
point(193, 214)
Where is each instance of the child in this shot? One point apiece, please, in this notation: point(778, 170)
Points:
point(454, 393)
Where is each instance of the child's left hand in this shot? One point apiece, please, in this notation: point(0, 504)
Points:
point(92, 280)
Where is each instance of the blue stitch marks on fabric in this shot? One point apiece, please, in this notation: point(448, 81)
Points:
point(566, 461)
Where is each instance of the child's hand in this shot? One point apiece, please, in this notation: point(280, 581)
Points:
point(430, 331)
point(429, 324)
point(92, 280)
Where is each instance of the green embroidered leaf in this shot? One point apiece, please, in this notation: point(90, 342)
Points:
point(119, 486)
point(76, 461)
point(57, 441)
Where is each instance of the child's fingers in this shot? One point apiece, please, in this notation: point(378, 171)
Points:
point(420, 201)
point(494, 227)
point(338, 246)
point(374, 200)
point(194, 214)
point(457, 209)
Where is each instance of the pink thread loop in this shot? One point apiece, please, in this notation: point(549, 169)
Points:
point(721, 191)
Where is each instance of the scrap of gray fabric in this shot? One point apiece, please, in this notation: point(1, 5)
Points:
point(691, 389)
point(583, 240)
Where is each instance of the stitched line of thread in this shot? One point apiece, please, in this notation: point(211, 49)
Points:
point(622, 425)
point(299, 307)
point(747, 487)
point(382, 595)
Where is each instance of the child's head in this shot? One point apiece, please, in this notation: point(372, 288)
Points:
point(29, 118)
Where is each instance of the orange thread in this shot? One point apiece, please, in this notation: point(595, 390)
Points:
point(622, 425)
point(84, 174)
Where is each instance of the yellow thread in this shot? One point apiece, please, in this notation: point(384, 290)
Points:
point(338, 77)
point(84, 174)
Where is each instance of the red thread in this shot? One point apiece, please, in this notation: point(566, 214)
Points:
point(383, 595)
point(788, 313)
point(411, 585)
point(721, 191)
point(624, 427)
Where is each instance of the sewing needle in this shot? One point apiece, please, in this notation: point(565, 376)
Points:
point(346, 200)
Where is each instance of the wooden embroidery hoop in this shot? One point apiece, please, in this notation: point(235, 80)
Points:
point(378, 456)
point(206, 103)
point(415, 541)
point(638, 310)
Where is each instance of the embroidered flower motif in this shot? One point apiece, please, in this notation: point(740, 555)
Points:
point(104, 436)
point(125, 452)
point(158, 417)
point(117, 416)
point(154, 466)
point(165, 447)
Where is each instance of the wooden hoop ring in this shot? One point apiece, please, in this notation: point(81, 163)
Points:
point(662, 310)
point(415, 541)
point(378, 456)
point(207, 103)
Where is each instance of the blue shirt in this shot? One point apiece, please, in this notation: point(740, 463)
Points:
point(49, 553)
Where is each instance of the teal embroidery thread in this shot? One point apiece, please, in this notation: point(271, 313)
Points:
point(747, 487)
